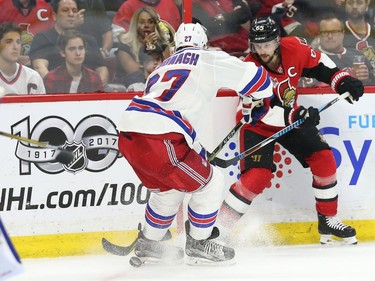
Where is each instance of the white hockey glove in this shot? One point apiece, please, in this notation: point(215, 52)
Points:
point(248, 105)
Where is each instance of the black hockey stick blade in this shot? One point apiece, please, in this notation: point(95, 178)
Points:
point(226, 163)
point(64, 156)
point(117, 249)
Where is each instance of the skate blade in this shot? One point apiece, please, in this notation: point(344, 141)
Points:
point(328, 239)
point(196, 261)
point(140, 261)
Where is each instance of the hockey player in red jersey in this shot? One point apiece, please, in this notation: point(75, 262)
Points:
point(158, 138)
point(288, 59)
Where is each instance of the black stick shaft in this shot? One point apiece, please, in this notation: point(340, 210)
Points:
point(226, 163)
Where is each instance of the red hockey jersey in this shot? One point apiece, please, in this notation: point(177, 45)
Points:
point(298, 60)
point(32, 21)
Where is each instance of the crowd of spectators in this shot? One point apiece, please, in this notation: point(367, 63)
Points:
point(121, 41)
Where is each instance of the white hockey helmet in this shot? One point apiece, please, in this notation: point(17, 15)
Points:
point(190, 35)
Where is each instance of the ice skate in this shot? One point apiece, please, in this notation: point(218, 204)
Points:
point(331, 226)
point(207, 251)
point(151, 251)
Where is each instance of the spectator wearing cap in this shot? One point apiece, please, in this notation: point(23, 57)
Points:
point(150, 56)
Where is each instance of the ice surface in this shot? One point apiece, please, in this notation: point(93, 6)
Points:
point(289, 263)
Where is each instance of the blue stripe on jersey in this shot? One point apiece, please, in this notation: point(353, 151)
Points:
point(254, 85)
point(157, 220)
point(147, 106)
point(266, 83)
point(201, 220)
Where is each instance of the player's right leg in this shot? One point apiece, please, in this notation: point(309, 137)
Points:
point(323, 168)
point(201, 246)
point(160, 213)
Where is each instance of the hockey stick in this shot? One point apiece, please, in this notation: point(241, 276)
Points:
point(230, 135)
point(126, 250)
point(212, 155)
point(63, 156)
point(117, 249)
point(226, 163)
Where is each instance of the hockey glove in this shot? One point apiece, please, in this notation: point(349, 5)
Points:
point(246, 112)
point(253, 110)
point(310, 115)
point(351, 85)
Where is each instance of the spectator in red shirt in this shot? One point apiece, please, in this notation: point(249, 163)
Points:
point(299, 17)
point(227, 23)
point(72, 76)
point(97, 24)
point(32, 15)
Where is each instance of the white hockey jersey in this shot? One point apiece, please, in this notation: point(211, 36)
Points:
point(179, 92)
point(25, 81)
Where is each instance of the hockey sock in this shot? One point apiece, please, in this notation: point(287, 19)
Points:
point(323, 168)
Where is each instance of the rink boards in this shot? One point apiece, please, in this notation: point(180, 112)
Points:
point(52, 209)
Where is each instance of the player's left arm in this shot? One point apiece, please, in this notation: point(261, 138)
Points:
point(340, 80)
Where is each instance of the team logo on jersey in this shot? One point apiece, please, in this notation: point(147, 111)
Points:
point(80, 158)
point(26, 38)
point(25, 11)
point(368, 51)
point(286, 93)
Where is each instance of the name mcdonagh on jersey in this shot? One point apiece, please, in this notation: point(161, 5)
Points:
point(182, 58)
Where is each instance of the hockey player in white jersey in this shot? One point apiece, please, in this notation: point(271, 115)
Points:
point(158, 139)
point(16, 78)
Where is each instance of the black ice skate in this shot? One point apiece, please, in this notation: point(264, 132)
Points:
point(153, 251)
point(328, 226)
point(207, 251)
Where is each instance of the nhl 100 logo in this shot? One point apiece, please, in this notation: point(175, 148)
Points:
point(94, 142)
